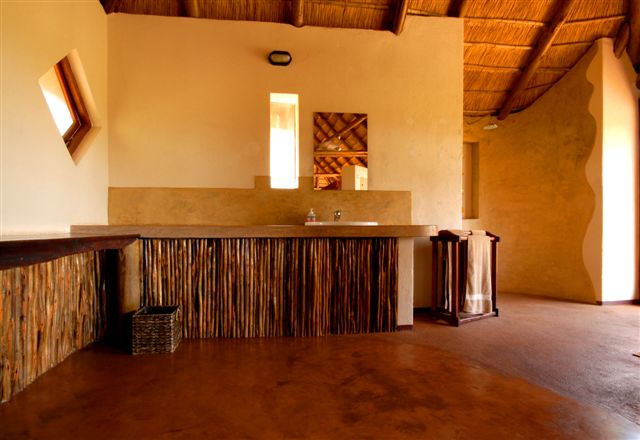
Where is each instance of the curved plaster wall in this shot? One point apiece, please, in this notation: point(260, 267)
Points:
point(533, 190)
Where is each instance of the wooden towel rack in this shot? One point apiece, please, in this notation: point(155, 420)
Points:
point(458, 242)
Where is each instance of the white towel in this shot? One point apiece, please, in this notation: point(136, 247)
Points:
point(448, 285)
point(478, 289)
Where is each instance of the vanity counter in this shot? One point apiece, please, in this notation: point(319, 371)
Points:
point(298, 280)
point(258, 231)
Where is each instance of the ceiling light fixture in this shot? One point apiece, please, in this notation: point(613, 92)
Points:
point(491, 126)
point(280, 58)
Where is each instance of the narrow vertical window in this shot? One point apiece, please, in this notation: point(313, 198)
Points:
point(65, 103)
point(469, 180)
point(284, 140)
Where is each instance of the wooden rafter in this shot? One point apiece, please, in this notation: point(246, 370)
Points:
point(545, 41)
point(516, 21)
point(190, 8)
point(352, 135)
point(492, 68)
point(328, 133)
point(596, 20)
point(622, 39)
point(536, 23)
point(479, 112)
point(400, 16)
point(109, 6)
point(457, 8)
point(424, 13)
point(491, 45)
point(539, 86)
point(634, 33)
point(297, 13)
point(344, 4)
point(340, 154)
point(346, 129)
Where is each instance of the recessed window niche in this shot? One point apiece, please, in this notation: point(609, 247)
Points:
point(470, 171)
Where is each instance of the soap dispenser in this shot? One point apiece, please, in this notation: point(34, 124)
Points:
point(311, 216)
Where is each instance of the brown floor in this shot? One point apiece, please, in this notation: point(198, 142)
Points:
point(499, 378)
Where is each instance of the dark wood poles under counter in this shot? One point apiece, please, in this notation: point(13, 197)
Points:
point(274, 287)
point(53, 301)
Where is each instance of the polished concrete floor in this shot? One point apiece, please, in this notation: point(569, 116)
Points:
point(499, 378)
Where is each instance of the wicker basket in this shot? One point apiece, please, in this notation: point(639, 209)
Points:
point(156, 330)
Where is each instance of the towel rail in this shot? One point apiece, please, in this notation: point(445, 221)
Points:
point(451, 310)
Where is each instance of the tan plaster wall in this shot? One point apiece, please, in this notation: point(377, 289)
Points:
point(259, 206)
point(592, 243)
point(41, 187)
point(189, 102)
point(533, 190)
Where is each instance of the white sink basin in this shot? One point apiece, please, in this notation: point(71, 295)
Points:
point(341, 223)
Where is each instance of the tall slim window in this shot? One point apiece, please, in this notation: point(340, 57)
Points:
point(284, 140)
point(65, 103)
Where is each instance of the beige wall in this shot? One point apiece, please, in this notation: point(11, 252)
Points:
point(189, 102)
point(189, 105)
point(533, 190)
point(41, 187)
point(592, 243)
point(259, 206)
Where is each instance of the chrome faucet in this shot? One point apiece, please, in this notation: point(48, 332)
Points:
point(337, 214)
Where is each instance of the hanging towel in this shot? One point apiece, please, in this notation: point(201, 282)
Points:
point(478, 288)
point(448, 278)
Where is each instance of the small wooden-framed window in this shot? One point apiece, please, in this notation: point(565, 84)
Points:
point(65, 102)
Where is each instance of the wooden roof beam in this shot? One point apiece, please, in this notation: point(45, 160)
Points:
point(340, 154)
point(633, 48)
point(458, 8)
point(622, 39)
point(109, 6)
point(360, 143)
point(400, 17)
point(544, 43)
point(322, 122)
point(188, 8)
point(345, 130)
point(297, 13)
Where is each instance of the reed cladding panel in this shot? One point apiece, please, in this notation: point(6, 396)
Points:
point(255, 287)
point(48, 311)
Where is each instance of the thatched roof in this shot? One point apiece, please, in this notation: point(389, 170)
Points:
point(514, 50)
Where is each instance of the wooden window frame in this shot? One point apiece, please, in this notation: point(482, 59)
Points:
point(81, 121)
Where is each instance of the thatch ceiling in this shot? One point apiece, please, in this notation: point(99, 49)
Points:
point(514, 50)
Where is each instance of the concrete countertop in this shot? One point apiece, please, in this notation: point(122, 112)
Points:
point(258, 231)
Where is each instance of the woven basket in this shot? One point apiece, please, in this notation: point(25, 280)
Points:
point(156, 330)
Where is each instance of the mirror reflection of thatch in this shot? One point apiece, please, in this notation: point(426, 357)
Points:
point(339, 140)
